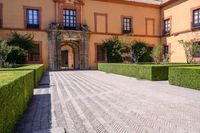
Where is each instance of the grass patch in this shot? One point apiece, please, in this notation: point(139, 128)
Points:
point(154, 72)
point(185, 76)
point(16, 89)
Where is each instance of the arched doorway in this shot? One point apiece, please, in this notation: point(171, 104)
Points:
point(70, 55)
point(68, 49)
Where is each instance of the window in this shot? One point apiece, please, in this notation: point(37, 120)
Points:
point(166, 50)
point(33, 18)
point(69, 17)
point(197, 54)
point(101, 54)
point(167, 26)
point(196, 18)
point(127, 25)
point(151, 49)
point(34, 56)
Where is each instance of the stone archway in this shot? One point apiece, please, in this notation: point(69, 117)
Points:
point(78, 40)
point(74, 54)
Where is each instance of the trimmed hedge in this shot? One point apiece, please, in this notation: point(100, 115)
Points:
point(154, 72)
point(185, 76)
point(16, 89)
point(37, 68)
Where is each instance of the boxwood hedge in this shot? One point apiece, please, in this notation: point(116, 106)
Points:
point(152, 72)
point(185, 76)
point(16, 89)
point(37, 68)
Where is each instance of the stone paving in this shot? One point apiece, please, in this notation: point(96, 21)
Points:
point(97, 102)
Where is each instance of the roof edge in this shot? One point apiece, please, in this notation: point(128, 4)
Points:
point(133, 3)
point(168, 3)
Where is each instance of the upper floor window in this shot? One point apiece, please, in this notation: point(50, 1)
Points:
point(69, 17)
point(167, 26)
point(33, 18)
point(196, 18)
point(127, 25)
point(101, 54)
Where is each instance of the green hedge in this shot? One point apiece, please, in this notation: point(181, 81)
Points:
point(185, 76)
point(16, 89)
point(38, 71)
point(152, 72)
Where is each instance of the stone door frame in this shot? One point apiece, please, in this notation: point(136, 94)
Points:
point(79, 39)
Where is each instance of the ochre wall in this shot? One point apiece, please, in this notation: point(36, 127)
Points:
point(181, 18)
point(108, 24)
point(13, 12)
point(146, 22)
point(39, 36)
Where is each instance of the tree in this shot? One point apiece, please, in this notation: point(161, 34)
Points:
point(191, 48)
point(5, 49)
point(157, 53)
point(24, 44)
point(117, 51)
point(140, 52)
point(23, 41)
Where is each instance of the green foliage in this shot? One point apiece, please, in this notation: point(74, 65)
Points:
point(190, 48)
point(140, 52)
point(185, 76)
point(157, 53)
point(23, 41)
point(38, 70)
point(16, 89)
point(4, 52)
point(117, 51)
point(24, 44)
point(17, 56)
point(154, 72)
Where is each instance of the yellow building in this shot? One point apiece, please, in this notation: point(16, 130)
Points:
point(69, 33)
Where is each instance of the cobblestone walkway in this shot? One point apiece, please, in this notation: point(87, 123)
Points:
point(96, 102)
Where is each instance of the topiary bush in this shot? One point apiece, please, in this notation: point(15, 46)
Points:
point(185, 76)
point(154, 72)
point(16, 89)
point(38, 70)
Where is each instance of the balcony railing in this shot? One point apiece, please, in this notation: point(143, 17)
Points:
point(61, 26)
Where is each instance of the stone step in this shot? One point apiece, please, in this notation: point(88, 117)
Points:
point(53, 130)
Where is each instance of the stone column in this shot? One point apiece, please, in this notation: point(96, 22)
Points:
point(84, 50)
point(51, 42)
point(54, 50)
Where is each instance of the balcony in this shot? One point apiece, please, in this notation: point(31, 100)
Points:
point(61, 26)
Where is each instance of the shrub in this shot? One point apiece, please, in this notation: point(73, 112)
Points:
point(157, 53)
point(117, 51)
point(140, 52)
point(4, 52)
point(185, 76)
point(154, 72)
point(191, 48)
point(37, 68)
point(24, 42)
point(16, 89)
point(17, 56)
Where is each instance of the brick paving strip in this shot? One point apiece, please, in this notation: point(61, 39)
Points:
point(97, 102)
